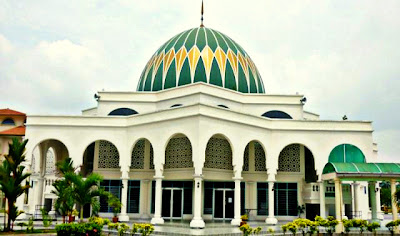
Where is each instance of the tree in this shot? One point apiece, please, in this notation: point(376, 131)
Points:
point(64, 204)
point(85, 191)
point(12, 176)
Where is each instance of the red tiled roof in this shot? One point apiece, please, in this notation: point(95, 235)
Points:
point(9, 112)
point(16, 131)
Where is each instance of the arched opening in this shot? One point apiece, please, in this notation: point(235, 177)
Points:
point(45, 156)
point(254, 157)
point(294, 159)
point(8, 121)
point(346, 153)
point(178, 153)
point(276, 115)
point(142, 155)
point(218, 153)
point(123, 112)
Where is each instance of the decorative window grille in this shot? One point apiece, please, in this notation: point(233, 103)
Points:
point(151, 157)
point(50, 162)
point(137, 157)
point(246, 158)
point(33, 164)
point(178, 153)
point(259, 157)
point(108, 155)
point(218, 154)
point(289, 159)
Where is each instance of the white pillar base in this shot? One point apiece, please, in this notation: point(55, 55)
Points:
point(157, 221)
point(271, 221)
point(23, 216)
point(197, 223)
point(236, 222)
point(123, 218)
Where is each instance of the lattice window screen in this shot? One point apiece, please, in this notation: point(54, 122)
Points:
point(137, 157)
point(289, 159)
point(50, 162)
point(259, 157)
point(151, 157)
point(218, 154)
point(33, 164)
point(246, 159)
point(108, 155)
point(178, 153)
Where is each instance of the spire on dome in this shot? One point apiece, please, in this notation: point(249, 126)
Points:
point(202, 12)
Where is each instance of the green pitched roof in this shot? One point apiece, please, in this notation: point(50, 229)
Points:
point(201, 55)
point(372, 169)
point(346, 153)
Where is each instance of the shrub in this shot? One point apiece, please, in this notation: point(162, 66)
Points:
point(331, 224)
point(99, 220)
point(391, 226)
point(284, 229)
point(347, 224)
point(292, 227)
point(361, 224)
point(79, 229)
point(143, 229)
point(371, 227)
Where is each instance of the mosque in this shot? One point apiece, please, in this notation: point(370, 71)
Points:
point(201, 140)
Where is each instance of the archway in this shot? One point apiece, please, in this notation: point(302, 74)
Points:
point(178, 153)
point(218, 153)
point(142, 156)
point(254, 158)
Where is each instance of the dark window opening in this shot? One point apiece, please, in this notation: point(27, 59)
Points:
point(8, 121)
point(223, 106)
point(277, 115)
point(112, 186)
point(123, 112)
point(176, 105)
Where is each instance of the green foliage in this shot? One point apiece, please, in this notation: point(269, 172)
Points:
point(361, 224)
point(99, 220)
point(244, 217)
point(30, 228)
point(284, 229)
point(121, 228)
point(247, 230)
point(64, 204)
point(386, 197)
point(22, 224)
point(79, 229)
point(347, 224)
point(143, 229)
point(373, 226)
point(292, 227)
point(114, 203)
point(300, 210)
point(12, 176)
point(45, 218)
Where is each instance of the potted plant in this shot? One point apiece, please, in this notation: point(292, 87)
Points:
point(300, 210)
point(72, 215)
point(115, 204)
point(244, 219)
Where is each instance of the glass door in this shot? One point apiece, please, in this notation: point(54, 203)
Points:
point(223, 204)
point(172, 203)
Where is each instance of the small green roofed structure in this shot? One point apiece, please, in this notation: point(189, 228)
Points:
point(365, 171)
point(346, 153)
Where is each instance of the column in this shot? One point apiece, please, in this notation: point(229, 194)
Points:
point(271, 204)
point(338, 205)
point(39, 192)
point(157, 211)
point(372, 191)
point(378, 201)
point(394, 204)
point(145, 199)
point(236, 220)
point(251, 198)
point(356, 195)
point(123, 217)
point(322, 207)
point(197, 221)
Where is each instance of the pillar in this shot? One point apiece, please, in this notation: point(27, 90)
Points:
point(197, 221)
point(157, 219)
point(322, 207)
point(39, 192)
point(338, 205)
point(356, 190)
point(145, 199)
point(123, 216)
point(271, 204)
point(373, 192)
point(378, 201)
point(394, 203)
point(236, 220)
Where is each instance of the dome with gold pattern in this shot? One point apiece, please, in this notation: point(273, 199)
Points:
point(201, 55)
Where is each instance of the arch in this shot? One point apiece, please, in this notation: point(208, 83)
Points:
point(178, 152)
point(258, 155)
point(176, 105)
point(140, 150)
point(289, 160)
point(123, 112)
point(50, 151)
point(8, 121)
point(218, 153)
point(275, 114)
point(107, 156)
point(346, 153)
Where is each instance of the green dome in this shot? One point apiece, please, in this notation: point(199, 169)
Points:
point(201, 55)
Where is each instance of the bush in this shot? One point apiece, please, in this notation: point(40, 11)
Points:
point(371, 227)
point(79, 229)
point(143, 229)
point(347, 224)
point(361, 224)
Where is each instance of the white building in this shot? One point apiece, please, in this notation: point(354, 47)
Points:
point(201, 140)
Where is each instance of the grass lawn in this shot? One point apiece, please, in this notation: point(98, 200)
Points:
point(35, 231)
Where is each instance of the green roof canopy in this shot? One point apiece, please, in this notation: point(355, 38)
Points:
point(346, 153)
point(371, 171)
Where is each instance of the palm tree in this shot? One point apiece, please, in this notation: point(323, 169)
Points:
point(12, 176)
point(85, 191)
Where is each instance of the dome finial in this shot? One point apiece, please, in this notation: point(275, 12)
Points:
point(202, 12)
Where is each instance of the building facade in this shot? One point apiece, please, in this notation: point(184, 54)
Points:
point(200, 140)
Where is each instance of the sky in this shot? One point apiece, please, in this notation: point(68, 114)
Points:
point(343, 55)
